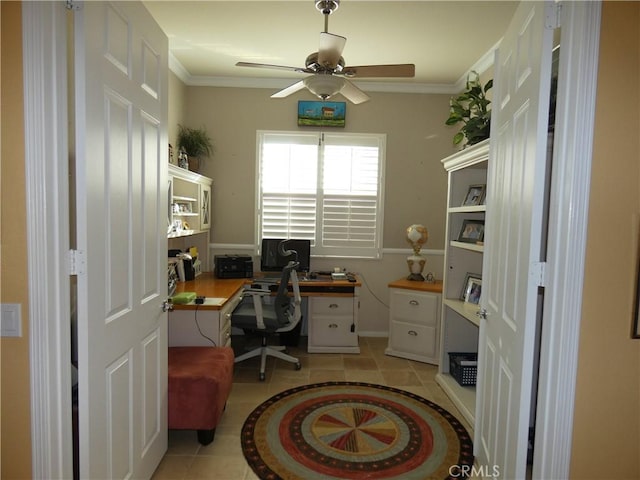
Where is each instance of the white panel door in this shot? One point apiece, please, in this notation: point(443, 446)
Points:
point(121, 142)
point(513, 239)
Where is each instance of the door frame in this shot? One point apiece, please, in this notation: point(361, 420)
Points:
point(47, 189)
point(44, 40)
point(566, 243)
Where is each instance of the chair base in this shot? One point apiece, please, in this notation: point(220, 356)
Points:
point(273, 351)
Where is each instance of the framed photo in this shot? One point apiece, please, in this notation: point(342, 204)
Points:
point(472, 231)
point(321, 114)
point(475, 195)
point(472, 289)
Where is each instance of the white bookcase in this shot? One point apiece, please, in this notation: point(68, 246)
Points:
point(459, 321)
point(189, 214)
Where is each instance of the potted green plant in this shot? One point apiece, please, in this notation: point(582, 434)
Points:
point(471, 108)
point(196, 142)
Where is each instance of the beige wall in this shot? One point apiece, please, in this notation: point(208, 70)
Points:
point(606, 439)
point(177, 110)
point(15, 421)
point(415, 182)
point(417, 139)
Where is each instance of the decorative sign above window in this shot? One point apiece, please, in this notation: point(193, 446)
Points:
point(321, 114)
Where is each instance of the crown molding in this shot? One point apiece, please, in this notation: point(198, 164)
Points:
point(482, 65)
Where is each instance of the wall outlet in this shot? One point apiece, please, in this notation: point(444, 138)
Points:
point(11, 320)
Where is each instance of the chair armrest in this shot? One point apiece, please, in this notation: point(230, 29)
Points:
point(256, 292)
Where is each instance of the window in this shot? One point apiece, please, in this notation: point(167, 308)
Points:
point(323, 187)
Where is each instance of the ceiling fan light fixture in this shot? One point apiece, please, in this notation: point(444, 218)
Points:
point(324, 86)
point(327, 7)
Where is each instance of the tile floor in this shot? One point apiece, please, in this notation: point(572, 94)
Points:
point(223, 459)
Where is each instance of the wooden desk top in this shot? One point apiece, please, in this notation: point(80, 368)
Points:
point(207, 285)
point(435, 287)
point(222, 289)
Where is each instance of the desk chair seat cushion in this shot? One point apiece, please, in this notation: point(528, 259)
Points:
point(244, 316)
point(199, 384)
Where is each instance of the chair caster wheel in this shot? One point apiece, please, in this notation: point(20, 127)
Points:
point(262, 377)
point(298, 366)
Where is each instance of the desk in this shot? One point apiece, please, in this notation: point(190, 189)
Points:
point(188, 324)
point(332, 313)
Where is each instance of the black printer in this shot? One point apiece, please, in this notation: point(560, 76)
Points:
point(233, 266)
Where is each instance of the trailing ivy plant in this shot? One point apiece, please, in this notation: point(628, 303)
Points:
point(471, 108)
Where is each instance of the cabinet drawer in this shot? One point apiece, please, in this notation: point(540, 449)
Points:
point(418, 308)
point(332, 331)
point(225, 334)
point(229, 307)
point(417, 339)
point(331, 306)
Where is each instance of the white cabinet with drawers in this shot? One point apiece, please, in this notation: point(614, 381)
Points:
point(191, 326)
point(333, 324)
point(414, 323)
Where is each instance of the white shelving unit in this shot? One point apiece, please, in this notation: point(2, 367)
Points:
point(189, 217)
point(459, 321)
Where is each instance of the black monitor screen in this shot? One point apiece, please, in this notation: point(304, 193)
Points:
point(272, 261)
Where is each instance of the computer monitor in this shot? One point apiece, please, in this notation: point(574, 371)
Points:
point(272, 261)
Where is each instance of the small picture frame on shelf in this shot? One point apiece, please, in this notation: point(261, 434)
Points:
point(475, 195)
point(472, 289)
point(472, 231)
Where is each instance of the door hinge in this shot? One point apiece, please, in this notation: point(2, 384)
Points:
point(539, 273)
point(77, 262)
point(72, 5)
point(553, 15)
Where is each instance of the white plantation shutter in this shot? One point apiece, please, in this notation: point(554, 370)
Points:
point(323, 187)
point(288, 182)
point(288, 216)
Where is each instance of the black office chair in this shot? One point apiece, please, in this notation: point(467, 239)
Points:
point(254, 315)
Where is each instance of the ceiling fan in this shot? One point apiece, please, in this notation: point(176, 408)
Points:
point(327, 66)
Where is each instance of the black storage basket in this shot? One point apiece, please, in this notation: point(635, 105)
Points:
point(465, 375)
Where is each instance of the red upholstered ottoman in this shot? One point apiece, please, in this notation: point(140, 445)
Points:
point(199, 384)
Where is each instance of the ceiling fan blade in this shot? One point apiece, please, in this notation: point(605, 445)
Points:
point(278, 67)
point(330, 51)
point(400, 70)
point(285, 92)
point(353, 93)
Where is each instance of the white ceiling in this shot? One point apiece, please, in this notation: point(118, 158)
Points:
point(444, 39)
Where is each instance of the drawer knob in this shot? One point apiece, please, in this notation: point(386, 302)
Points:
point(333, 325)
point(414, 302)
point(413, 333)
point(333, 305)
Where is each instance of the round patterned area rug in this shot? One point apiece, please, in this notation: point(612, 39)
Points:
point(348, 430)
